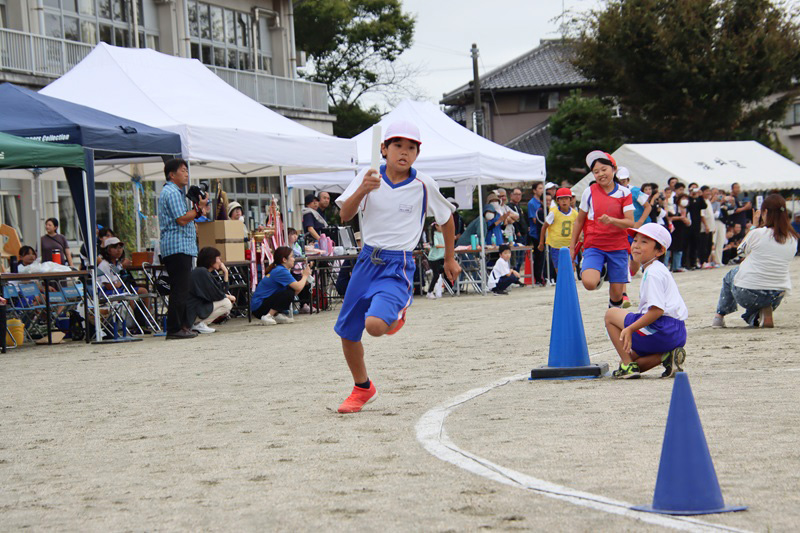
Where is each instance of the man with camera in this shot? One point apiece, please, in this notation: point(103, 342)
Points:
point(179, 241)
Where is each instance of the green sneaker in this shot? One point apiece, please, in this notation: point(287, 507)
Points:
point(673, 362)
point(629, 371)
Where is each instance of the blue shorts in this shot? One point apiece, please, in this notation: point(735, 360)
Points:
point(384, 291)
point(554, 253)
point(661, 336)
point(616, 263)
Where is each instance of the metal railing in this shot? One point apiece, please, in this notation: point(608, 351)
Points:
point(29, 53)
point(41, 56)
point(276, 91)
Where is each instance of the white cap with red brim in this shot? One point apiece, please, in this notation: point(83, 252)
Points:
point(404, 130)
point(657, 232)
point(594, 155)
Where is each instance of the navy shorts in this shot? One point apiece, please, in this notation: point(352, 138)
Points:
point(381, 285)
point(663, 335)
point(616, 263)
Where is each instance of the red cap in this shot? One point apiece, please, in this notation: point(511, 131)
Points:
point(564, 191)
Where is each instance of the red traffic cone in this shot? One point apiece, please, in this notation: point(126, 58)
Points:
point(528, 279)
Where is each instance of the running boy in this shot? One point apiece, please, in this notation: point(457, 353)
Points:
point(558, 225)
point(606, 211)
point(657, 333)
point(394, 203)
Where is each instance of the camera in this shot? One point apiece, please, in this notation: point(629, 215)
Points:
point(197, 193)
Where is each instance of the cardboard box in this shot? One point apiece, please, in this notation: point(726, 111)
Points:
point(226, 236)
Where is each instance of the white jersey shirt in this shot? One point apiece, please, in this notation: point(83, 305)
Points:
point(501, 268)
point(659, 289)
point(393, 215)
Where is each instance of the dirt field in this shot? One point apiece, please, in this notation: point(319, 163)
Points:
point(238, 431)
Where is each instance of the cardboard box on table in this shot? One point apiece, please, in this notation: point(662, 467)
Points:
point(224, 235)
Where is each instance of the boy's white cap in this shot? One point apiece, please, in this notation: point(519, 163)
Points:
point(550, 185)
point(404, 130)
point(623, 173)
point(657, 232)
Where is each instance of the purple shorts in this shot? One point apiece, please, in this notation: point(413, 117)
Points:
point(663, 335)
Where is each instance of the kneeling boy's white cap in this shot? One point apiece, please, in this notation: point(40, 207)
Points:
point(657, 232)
point(404, 130)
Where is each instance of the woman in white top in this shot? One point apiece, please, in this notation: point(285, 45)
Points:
point(762, 280)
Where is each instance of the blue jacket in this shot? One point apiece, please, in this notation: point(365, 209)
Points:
point(534, 226)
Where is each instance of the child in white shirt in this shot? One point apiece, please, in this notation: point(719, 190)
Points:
point(502, 275)
point(655, 334)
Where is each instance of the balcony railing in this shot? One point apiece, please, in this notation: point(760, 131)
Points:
point(37, 55)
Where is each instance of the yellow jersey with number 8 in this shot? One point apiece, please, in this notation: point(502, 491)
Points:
point(559, 231)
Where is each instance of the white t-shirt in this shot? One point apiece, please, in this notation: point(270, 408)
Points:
point(659, 289)
point(501, 268)
point(766, 263)
point(107, 272)
point(708, 216)
point(394, 214)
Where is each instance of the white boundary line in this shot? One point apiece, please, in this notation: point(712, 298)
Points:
point(433, 437)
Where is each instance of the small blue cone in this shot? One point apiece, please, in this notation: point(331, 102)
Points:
point(569, 354)
point(687, 483)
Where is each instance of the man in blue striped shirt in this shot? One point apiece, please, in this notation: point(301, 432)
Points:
point(178, 244)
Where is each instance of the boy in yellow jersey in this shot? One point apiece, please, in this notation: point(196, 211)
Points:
point(558, 224)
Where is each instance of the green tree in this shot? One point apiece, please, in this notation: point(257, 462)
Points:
point(693, 70)
point(579, 126)
point(123, 213)
point(353, 45)
point(352, 119)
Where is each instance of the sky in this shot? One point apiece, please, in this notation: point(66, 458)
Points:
point(503, 30)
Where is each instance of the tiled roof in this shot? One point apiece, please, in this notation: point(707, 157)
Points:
point(535, 141)
point(547, 65)
point(457, 113)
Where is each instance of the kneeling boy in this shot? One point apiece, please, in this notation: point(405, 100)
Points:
point(657, 333)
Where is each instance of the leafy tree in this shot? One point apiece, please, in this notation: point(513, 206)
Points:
point(354, 45)
point(352, 119)
point(579, 126)
point(693, 70)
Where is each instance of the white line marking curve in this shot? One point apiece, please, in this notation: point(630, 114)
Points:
point(433, 437)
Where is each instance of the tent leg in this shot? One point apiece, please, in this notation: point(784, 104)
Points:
point(285, 202)
point(137, 206)
point(483, 238)
point(90, 242)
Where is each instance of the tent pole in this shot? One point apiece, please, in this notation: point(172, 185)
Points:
point(483, 238)
point(285, 213)
point(137, 206)
point(90, 242)
point(545, 210)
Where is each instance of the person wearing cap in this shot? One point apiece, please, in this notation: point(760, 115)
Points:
point(606, 211)
point(520, 226)
point(313, 221)
point(656, 333)
point(236, 212)
point(473, 228)
point(394, 201)
point(113, 277)
point(558, 226)
point(497, 221)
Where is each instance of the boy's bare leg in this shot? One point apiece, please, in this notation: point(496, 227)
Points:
point(615, 323)
point(377, 327)
point(354, 355)
point(646, 362)
point(590, 279)
point(615, 291)
point(767, 321)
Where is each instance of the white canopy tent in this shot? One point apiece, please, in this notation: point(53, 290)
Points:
point(716, 164)
point(450, 154)
point(223, 132)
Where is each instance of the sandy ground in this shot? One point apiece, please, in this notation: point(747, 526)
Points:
point(238, 431)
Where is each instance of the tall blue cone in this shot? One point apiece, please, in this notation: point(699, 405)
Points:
point(569, 354)
point(687, 483)
point(567, 337)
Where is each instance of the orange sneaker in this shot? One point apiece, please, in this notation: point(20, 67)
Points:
point(358, 398)
point(400, 322)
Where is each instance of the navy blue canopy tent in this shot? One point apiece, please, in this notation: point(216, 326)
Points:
point(31, 115)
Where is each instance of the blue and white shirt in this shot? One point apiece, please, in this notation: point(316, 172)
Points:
point(175, 239)
point(394, 214)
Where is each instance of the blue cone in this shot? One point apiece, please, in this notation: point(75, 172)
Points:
point(569, 354)
point(687, 483)
point(567, 337)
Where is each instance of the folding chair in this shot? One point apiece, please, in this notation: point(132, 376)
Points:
point(158, 286)
point(470, 272)
point(124, 293)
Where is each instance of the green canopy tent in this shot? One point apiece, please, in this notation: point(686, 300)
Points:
point(16, 152)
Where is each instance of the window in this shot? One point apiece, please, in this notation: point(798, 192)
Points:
point(220, 37)
point(90, 21)
point(548, 100)
point(2, 15)
point(793, 115)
